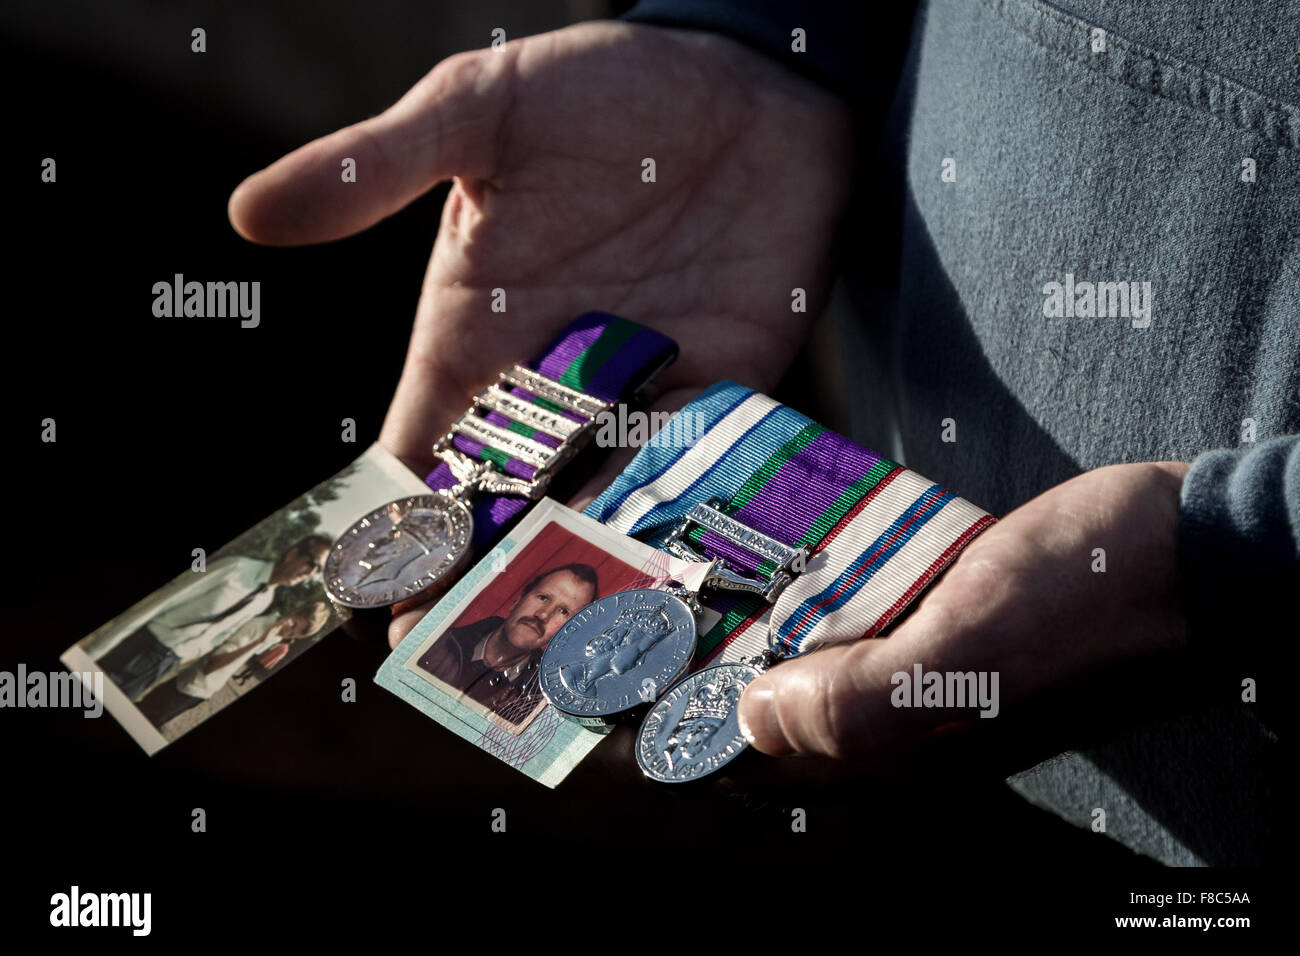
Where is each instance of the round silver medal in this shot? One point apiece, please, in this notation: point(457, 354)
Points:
point(692, 731)
point(399, 551)
point(617, 653)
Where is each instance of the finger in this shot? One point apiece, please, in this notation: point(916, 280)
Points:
point(446, 125)
point(403, 623)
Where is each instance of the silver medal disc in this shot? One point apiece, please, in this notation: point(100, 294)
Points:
point(617, 653)
point(692, 731)
point(399, 551)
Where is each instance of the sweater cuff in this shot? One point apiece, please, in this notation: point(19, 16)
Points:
point(1239, 535)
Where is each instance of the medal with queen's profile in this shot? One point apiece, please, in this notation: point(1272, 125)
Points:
point(618, 653)
point(624, 650)
point(692, 731)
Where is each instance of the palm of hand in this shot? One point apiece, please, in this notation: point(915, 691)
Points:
point(546, 141)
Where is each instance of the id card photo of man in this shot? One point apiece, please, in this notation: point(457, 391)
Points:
point(490, 653)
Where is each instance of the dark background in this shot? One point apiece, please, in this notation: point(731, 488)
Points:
point(174, 434)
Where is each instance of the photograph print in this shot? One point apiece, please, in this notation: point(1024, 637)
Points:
point(237, 615)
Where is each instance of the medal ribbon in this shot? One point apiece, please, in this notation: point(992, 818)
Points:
point(878, 532)
point(601, 355)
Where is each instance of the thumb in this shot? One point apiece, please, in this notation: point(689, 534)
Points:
point(835, 701)
point(446, 125)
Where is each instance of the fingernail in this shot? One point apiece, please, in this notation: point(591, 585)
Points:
point(755, 709)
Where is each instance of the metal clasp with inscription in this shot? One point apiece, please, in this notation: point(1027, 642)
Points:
point(787, 561)
point(478, 475)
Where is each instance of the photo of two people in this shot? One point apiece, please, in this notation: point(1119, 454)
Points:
point(193, 638)
point(238, 615)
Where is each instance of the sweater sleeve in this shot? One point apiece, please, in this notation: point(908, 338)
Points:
point(851, 49)
point(1239, 533)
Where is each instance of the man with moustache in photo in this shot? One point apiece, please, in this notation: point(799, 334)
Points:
point(494, 660)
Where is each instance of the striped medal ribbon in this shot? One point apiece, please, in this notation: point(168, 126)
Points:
point(877, 532)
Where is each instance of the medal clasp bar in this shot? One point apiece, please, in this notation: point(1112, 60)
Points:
point(545, 460)
point(788, 561)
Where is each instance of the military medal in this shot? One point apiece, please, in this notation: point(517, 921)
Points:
point(617, 653)
point(398, 551)
point(692, 730)
point(622, 650)
point(496, 458)
point(875, 534)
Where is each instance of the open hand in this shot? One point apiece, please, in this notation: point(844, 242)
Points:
point(545, 141)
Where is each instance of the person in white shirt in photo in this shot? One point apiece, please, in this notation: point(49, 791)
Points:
point(199, 679)
point(187, 619)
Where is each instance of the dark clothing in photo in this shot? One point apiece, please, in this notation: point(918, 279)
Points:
point(457, 659)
